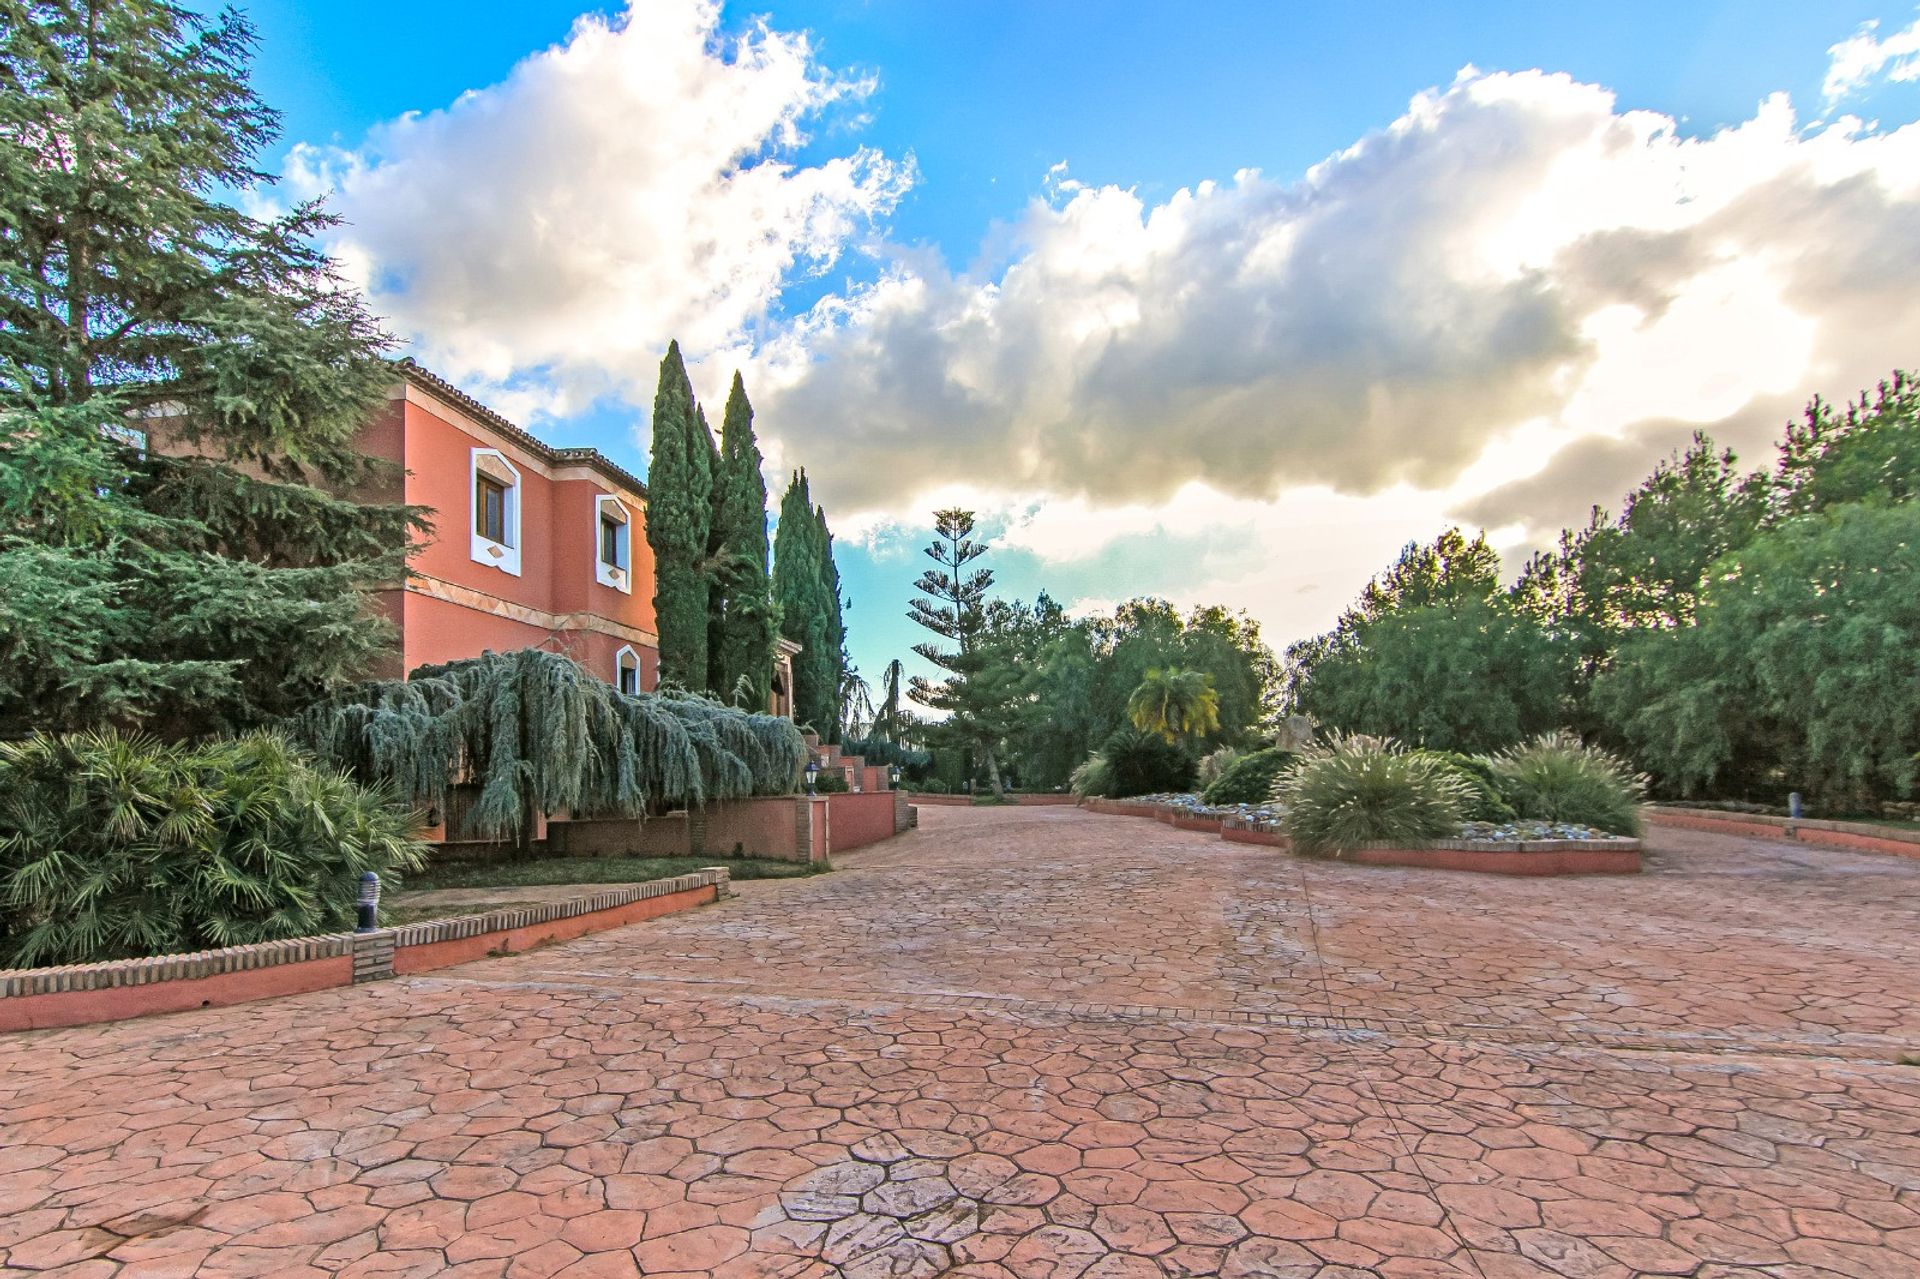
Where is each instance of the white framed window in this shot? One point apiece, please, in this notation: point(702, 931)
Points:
point(494, 491)
point(626, 670)
point(612, 544)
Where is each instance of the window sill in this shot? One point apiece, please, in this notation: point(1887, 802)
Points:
point(484, 550)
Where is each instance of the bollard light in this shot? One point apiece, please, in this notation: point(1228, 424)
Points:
point(813, 776)
point(369, 902)
point(1794, 808)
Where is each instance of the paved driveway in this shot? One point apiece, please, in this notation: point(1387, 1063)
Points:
point(1043, 1043)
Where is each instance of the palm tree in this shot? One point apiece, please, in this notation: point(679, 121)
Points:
point(1178, 705)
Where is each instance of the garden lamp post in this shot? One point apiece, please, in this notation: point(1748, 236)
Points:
point(369, 903)
point(813, 775)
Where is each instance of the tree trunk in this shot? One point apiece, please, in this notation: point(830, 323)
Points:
point(993, 777)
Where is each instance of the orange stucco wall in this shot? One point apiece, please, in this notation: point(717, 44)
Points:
point(457, 607)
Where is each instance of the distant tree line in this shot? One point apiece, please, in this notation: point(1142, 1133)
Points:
point(1738, 635)
point(1025, 693)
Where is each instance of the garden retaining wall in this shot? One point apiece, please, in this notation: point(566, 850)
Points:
point(1858, 836)
point(1531, 857)
point(80, 994)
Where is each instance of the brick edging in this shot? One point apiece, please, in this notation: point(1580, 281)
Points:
point(1858, 836)
point(78, 994)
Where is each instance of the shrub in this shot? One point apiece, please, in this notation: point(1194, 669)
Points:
point(1215, 764)
point(830, 782)
point(1359, 790)
point(1093, 779)
point(1146, 764)
point(1134, 763)
point(1249, 780)
point(114, 847)
point(1485, 803)
point(1557, 778)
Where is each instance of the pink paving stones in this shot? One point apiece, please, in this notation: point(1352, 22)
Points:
point(1157, 1071)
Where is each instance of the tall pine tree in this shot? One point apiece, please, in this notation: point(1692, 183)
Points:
point(181, 383)
point(743, 621)
point(679, 519)
point(981, 686)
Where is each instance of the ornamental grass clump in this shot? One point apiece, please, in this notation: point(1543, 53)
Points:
point(116, 847)
point(1359, 790)
point(1557, 778)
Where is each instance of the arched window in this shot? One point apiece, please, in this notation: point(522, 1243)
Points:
point(626, 670)
point(496, 511)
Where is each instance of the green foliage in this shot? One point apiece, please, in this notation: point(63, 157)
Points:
point(1485, 803)
point(1215, 763)
point(598, 870)
point(218, 576)
point(743, 622)
point(679, 519)
point(1178, 705)
point(888, 754)
point(113, 847)
point(982, 685)
point(1364, 790)
point(537, 734)
point(1744, 635)
point(1092, 778)
point(1136, 763)
point(1432, 653)
point(806, 593)
point(1801, 674)
point(1557, 778)
point(1248, 779)
point(830, 782)
point(1870, 453)
point(1079, 674)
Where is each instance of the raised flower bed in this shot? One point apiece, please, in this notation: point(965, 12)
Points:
point(1514, 848)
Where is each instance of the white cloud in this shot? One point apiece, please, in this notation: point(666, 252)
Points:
point(628, 186)
point(1864, 56)
point(1512, 266)
point(1501, 304)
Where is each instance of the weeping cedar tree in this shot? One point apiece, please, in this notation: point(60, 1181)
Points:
point(537, 733)
point(806, 590)
point(219, 578)
point(981, 688)
point(679, 521)
point(742, 622)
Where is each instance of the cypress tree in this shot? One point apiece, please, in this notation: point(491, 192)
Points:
point(743, 619)
point(181, 384)
point(799, 593)
point(679, 519)
point(833, 670)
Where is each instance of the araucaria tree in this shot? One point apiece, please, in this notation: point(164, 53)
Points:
point(679, 521)
point(806, 590)
point(181, 383)
point(742, 621)
point(981, 687)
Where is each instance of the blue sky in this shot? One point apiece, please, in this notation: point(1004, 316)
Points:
point(959, 115)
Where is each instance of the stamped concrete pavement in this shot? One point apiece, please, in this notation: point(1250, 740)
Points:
point(1037, 1042)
